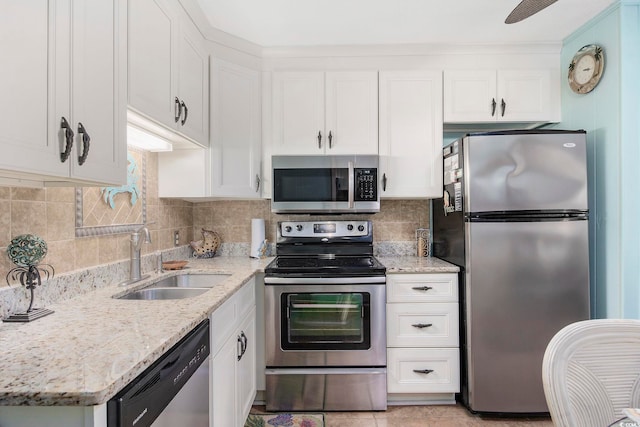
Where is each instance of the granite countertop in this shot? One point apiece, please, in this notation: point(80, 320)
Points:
point(93, 345)
point(413, 264)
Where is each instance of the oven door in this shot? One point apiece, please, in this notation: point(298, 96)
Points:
point(325, 324)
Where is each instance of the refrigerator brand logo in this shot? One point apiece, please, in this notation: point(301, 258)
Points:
point(569, 144)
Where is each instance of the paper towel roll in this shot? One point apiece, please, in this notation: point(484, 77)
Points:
point(257, 236)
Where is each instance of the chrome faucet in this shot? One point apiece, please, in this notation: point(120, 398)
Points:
point(136, 244)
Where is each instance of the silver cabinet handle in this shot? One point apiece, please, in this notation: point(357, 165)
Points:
point(423, 371)
point(384, 182)
point(68, 139)
point(493, 107)
point(422, 288)
point(319, 139)
point(503, 106)
point(422, 325)
point(330, 140)
point(239, 346)
point(186, 112)
point(86, 140)
point(257, 183)
point(177, 109)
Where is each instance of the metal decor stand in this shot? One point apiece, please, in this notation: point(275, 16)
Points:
point(29, 277)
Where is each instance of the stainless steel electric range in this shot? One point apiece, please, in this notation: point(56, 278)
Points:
point(325, 319)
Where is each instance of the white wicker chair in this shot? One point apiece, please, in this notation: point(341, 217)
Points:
point(591, 372)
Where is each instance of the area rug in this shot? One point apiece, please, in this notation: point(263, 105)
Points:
point(285, 420)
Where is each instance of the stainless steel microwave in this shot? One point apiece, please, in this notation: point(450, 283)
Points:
point(325, 184)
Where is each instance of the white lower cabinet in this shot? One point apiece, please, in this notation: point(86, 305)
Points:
point(233, 365)
point(423, 357)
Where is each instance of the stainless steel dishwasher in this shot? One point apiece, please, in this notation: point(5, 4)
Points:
point(174, 391)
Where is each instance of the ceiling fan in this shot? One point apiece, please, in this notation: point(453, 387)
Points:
point(526, 8)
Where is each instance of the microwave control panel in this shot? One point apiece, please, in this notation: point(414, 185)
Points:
point(366, 184)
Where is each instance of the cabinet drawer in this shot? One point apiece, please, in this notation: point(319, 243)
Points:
point(438, 370)
point(440, 287)
point(422, 325)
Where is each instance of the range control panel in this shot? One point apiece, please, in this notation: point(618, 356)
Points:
point(366, 184)
point(324, 228)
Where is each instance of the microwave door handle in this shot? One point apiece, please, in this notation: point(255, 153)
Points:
point(351, 185)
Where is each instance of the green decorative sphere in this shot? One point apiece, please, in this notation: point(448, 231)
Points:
point(26, 250)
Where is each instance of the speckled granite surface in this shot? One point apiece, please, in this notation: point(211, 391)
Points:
point(412, 264)
point(94, 345)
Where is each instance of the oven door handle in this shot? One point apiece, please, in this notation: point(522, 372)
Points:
point(324, 306)
point(325, 371)
point(324, 280)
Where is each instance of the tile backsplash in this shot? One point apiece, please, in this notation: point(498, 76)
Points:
point(50, 214)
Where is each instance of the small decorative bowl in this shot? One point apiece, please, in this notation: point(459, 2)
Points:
point(174, 265)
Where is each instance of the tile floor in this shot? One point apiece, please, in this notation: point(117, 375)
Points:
point(424, 416)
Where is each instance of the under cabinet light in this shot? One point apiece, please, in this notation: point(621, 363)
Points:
point(139, 138)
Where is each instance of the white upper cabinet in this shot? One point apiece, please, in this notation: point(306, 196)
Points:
point(484, 96)
point(325, 112)
point(230, 167)
point(236, 133)
point(63, 79)
point(410, 134)
point(168, 70)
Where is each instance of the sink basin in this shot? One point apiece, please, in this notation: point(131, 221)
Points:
point(190, 281)
point(163, 293)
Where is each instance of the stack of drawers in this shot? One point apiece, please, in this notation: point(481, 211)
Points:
point(422, 334)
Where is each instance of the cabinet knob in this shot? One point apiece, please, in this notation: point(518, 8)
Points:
point(186, 112)
point(68, 138)
point(86, 140)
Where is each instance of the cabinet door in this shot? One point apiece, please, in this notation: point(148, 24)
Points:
point(351, 112)
point(235, 131)
point(246, 380)
point(152, 39)
point(223, 388)
point(410, 134)
point(298, 113)
point(526, 95)
point(33, 76)
point(469, 96)
point(193, 84)
point(98, 88)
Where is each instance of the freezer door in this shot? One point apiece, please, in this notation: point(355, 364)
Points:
point(525, 172)
point(524, 282)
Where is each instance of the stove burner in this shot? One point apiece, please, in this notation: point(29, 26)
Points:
point(314, 265)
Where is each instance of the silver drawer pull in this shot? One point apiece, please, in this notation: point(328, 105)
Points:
point(422, 288)
point(423, 371)
point(422, 325)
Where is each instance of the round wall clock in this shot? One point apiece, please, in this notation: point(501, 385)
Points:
point(586, 68)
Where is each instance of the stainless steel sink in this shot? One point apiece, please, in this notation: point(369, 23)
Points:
point(154, 293)
point(190, 280)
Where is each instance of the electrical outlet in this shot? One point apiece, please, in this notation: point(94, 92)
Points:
point(176, 238)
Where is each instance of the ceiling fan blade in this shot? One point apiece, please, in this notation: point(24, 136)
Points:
point(526, 8)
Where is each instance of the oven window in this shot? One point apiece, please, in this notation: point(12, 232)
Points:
point(311, 185)
point(326, 321)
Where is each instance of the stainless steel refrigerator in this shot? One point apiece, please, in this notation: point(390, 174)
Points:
point(514, 217)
